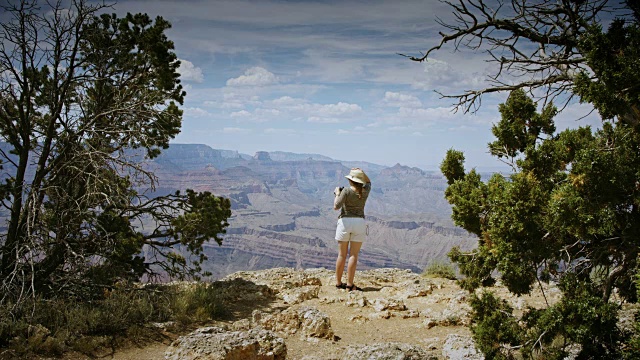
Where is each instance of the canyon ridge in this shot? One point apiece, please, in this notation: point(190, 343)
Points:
point(282, 213)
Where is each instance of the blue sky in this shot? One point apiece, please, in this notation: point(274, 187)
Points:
point(325, 77)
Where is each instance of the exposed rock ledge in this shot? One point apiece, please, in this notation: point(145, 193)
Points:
point(412, 225)
point(272, 234)
point(300, 314)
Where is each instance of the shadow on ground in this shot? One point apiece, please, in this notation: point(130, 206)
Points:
point(241, 297)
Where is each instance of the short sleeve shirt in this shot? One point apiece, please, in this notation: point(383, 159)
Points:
point(349, 203)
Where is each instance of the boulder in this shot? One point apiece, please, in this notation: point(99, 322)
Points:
point(299, 294)
point(308, 321)
point(389, 304)
point(460, 347)
point(356, 299)
point(214, 343)
point(454, 314)
point(386, 351)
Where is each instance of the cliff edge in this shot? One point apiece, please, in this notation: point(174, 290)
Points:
point(283, 313)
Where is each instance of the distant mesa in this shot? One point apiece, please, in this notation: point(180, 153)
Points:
point(398, 169)
point(262, 156)
point(287, 156)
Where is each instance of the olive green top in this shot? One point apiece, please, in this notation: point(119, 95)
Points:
point(349, 203)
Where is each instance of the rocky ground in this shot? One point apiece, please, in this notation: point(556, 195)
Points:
point(284, 313)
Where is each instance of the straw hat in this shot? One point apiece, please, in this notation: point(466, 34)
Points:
point(357, 175)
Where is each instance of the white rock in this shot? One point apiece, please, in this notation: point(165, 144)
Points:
point(214, 343)
point(386, 351)
point(460, 347)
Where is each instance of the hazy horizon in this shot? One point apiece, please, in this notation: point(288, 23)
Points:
point(498, 168)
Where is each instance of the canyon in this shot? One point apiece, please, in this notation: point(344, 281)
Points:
point(282, 209)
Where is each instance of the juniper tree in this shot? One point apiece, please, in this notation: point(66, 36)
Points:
point(84, 99)
point(568, 212)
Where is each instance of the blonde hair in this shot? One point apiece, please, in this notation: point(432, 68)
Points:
point(358, 187)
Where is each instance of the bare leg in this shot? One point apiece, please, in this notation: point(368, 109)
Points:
point(353, 261)
point(343, 246)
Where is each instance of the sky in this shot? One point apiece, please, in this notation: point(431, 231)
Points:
point(326, 77)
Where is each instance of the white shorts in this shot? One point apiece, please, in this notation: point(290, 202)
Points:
point(351, 229)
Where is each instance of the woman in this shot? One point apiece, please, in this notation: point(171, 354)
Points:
point(351, 229)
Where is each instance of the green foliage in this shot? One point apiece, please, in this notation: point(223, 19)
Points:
point(632, 351)
point(440, 269)
point(199, 303)
point(520, 126)
point(494, 327)
point(453, 166)
point(570, 210)
point(614, 56)
point(588, 319)
point(98, 95)
point(477, 267)
point(569, 213)
point(549, 333)
point(466, 208)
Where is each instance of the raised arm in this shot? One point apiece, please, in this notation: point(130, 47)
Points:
point(338, 201)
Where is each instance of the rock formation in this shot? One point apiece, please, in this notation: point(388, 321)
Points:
point(213, 343)
point(299, 314)
point(262, 156)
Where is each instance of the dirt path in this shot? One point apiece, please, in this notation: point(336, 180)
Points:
point(149, 352)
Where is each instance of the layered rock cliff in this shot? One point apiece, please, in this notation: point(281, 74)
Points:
point(283, 216)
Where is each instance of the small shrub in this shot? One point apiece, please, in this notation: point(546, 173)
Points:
point(440, 269)
point(89, 344)
point(494, 326)
point(87, 326)
point(200, 303)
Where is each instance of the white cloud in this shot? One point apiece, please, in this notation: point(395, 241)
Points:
point(235, 130)
point(399, 128)
point(280, 131)
point(255, 76)
point(337, 109)
point(323, 120)
point(430, 114)
point(401, 100)
point(238, 100)
point(576, 115)
point(332, 66)
point(416, 121)
point(462, 128)
point(259, 115)
point(240, 114)
point(443, 76)
point(287, 107)
point(231, 105)
point(267, 112)
point(189, 72)
point(328, 113)
point(286, 101)
point(196, 112)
